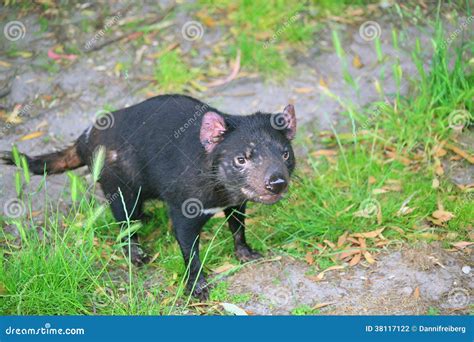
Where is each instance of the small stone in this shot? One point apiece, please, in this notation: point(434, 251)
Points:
point(466, 269)
point(407, 290)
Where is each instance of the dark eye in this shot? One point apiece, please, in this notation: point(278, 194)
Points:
point(286, 155)
point(240, 160)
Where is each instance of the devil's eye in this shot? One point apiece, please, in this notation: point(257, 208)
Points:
point(286, 155)
point(240, 160)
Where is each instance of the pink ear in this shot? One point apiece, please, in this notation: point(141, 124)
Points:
point(290, 118)
point(212, 129)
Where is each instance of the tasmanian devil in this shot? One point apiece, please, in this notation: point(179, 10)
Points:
point(193, 157)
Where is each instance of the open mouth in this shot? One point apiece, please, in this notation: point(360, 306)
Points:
point(266, 198)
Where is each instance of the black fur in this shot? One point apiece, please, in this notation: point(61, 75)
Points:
point(155, 150)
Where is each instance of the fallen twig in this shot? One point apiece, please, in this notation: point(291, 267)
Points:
point(151, 21)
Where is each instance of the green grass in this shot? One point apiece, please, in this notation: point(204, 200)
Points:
point(72, 263)
point(264, 30)
point(304, 310)
point(172, 73)
point(220, 293)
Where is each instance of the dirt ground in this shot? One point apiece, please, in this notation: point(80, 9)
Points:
point(408, 280)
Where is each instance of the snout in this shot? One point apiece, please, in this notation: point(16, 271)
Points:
point(276, 183)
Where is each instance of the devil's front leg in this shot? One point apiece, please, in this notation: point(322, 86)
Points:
point(236, 219)
point(187, 229)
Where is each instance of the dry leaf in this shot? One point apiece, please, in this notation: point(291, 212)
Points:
point(379, 191)
point(206, 19)
point(323, 83)
point(393, 185)
point(405, 210)
point(4, 64)
point(439, 170)
point(309, 258)
point(348, 253)
point(461, 153)
point(154, 257)
point(372, 180)
point(416, 293)
point(438, 150)
point(14, 117)
point(435, 183)
point(320, 276)
point(330, 244)
point(322, 305)
point(356, 62)
point(393, 155)
point(369, 235)
point(31, 136)
point(233, 309)
point(355, 260)
point(342, 239)
point(442, 215)
point(369, 257)
point(223, 268)
point(304, 90)
point(462, 244)
point(324, 153)
point(382, 243)
point(351, 239)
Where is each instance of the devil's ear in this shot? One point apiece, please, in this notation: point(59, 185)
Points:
point(289, 116)
point(212, 130)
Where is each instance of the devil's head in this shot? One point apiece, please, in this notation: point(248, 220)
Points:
point(252, 155)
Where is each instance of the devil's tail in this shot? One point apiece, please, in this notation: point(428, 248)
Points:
point(56, 162)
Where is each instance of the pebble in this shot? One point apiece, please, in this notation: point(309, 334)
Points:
point(466, 269)
point(407, 290)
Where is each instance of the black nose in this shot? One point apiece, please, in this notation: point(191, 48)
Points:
point(276, 183)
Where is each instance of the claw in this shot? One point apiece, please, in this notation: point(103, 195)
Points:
point(246, 254)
